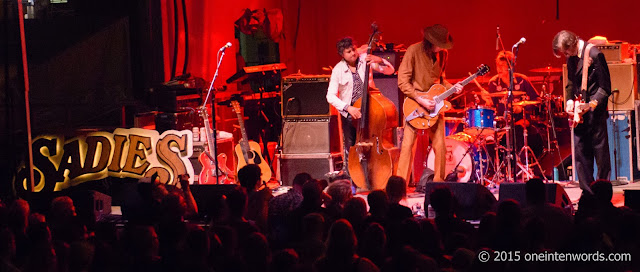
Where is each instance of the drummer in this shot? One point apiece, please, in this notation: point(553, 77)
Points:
point(500, 83)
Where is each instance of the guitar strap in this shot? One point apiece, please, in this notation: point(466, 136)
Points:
point(585, 72)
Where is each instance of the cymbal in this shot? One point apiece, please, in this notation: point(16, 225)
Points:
point(505, 93)
point(526, 103)
point(547, 69)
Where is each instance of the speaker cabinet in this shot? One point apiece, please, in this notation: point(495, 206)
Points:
point(309, 135)
point(623, 85)
point(317, 165)
point(517, 191)
point(473, 199)
point(305, 96)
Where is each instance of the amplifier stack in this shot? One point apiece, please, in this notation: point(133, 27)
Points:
point(310, 134)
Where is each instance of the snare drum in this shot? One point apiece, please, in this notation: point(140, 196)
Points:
point(456, 153)
point(479, 121)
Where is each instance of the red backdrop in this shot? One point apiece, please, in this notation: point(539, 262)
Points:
point(472, 24)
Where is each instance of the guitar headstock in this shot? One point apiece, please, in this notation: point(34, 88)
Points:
point(235, 105)
point(203, 113)
point(482, 70)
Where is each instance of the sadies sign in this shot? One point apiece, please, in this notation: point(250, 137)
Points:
point(135, 153)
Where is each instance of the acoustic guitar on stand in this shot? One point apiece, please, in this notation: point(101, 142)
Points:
point(209, 175)
point(420, 118)
point(248, 152)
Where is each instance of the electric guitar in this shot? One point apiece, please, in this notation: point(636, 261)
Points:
point(579, 109)
point(208, 174)
point(419, 118)
point(248, 152)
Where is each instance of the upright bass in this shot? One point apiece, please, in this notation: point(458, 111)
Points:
point(372, 158)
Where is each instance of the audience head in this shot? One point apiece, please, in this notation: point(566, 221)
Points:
point(340, 192)
point(341, 241)
point(299, 180)
point(237, 202)
point(311, 194)
point(396, 189)
point(442, 201)
point(255, 252)
point(285, 260)
point(509, 214)
point(19, 216)
point(378, 202)
point(62, 208)
point(249, 176)
point(174, 206)
point(355, 210)
point(535, 190)
point(313, 225)
point(603, 191)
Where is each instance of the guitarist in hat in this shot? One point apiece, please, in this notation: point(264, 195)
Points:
point(590, 132)
point(423, 65)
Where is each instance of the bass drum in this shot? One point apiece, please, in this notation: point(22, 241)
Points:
point(455, 152)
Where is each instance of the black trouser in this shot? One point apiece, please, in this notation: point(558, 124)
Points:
point(591, 141)
point(349, 135)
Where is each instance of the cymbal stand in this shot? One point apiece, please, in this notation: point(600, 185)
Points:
point(526, 149)
point(553, 129)
point(505, 163)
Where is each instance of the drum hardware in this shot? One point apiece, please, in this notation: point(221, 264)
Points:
point(552, 128)
point(526, 170)
point(453, 176)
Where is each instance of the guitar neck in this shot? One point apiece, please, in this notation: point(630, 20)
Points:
point(207, 128)
point(244, 143)
point(450, 91)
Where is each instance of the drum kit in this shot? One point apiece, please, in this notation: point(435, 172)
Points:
point(476, 146)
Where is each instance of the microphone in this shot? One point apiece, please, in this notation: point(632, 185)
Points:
point(225, 47)
point(521, 41)
point(497, 37)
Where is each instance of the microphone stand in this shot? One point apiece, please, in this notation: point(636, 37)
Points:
point(510, 106)
point(214, 148)
point(510, 156)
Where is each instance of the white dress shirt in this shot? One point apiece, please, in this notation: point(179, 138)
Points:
point(341, 83)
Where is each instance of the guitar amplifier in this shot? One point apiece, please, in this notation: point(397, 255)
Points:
point(623, 85)
point(305, 96)
point(615, 52)
point(307, 135)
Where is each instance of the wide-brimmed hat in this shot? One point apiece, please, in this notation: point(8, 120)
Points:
point(439, 36)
